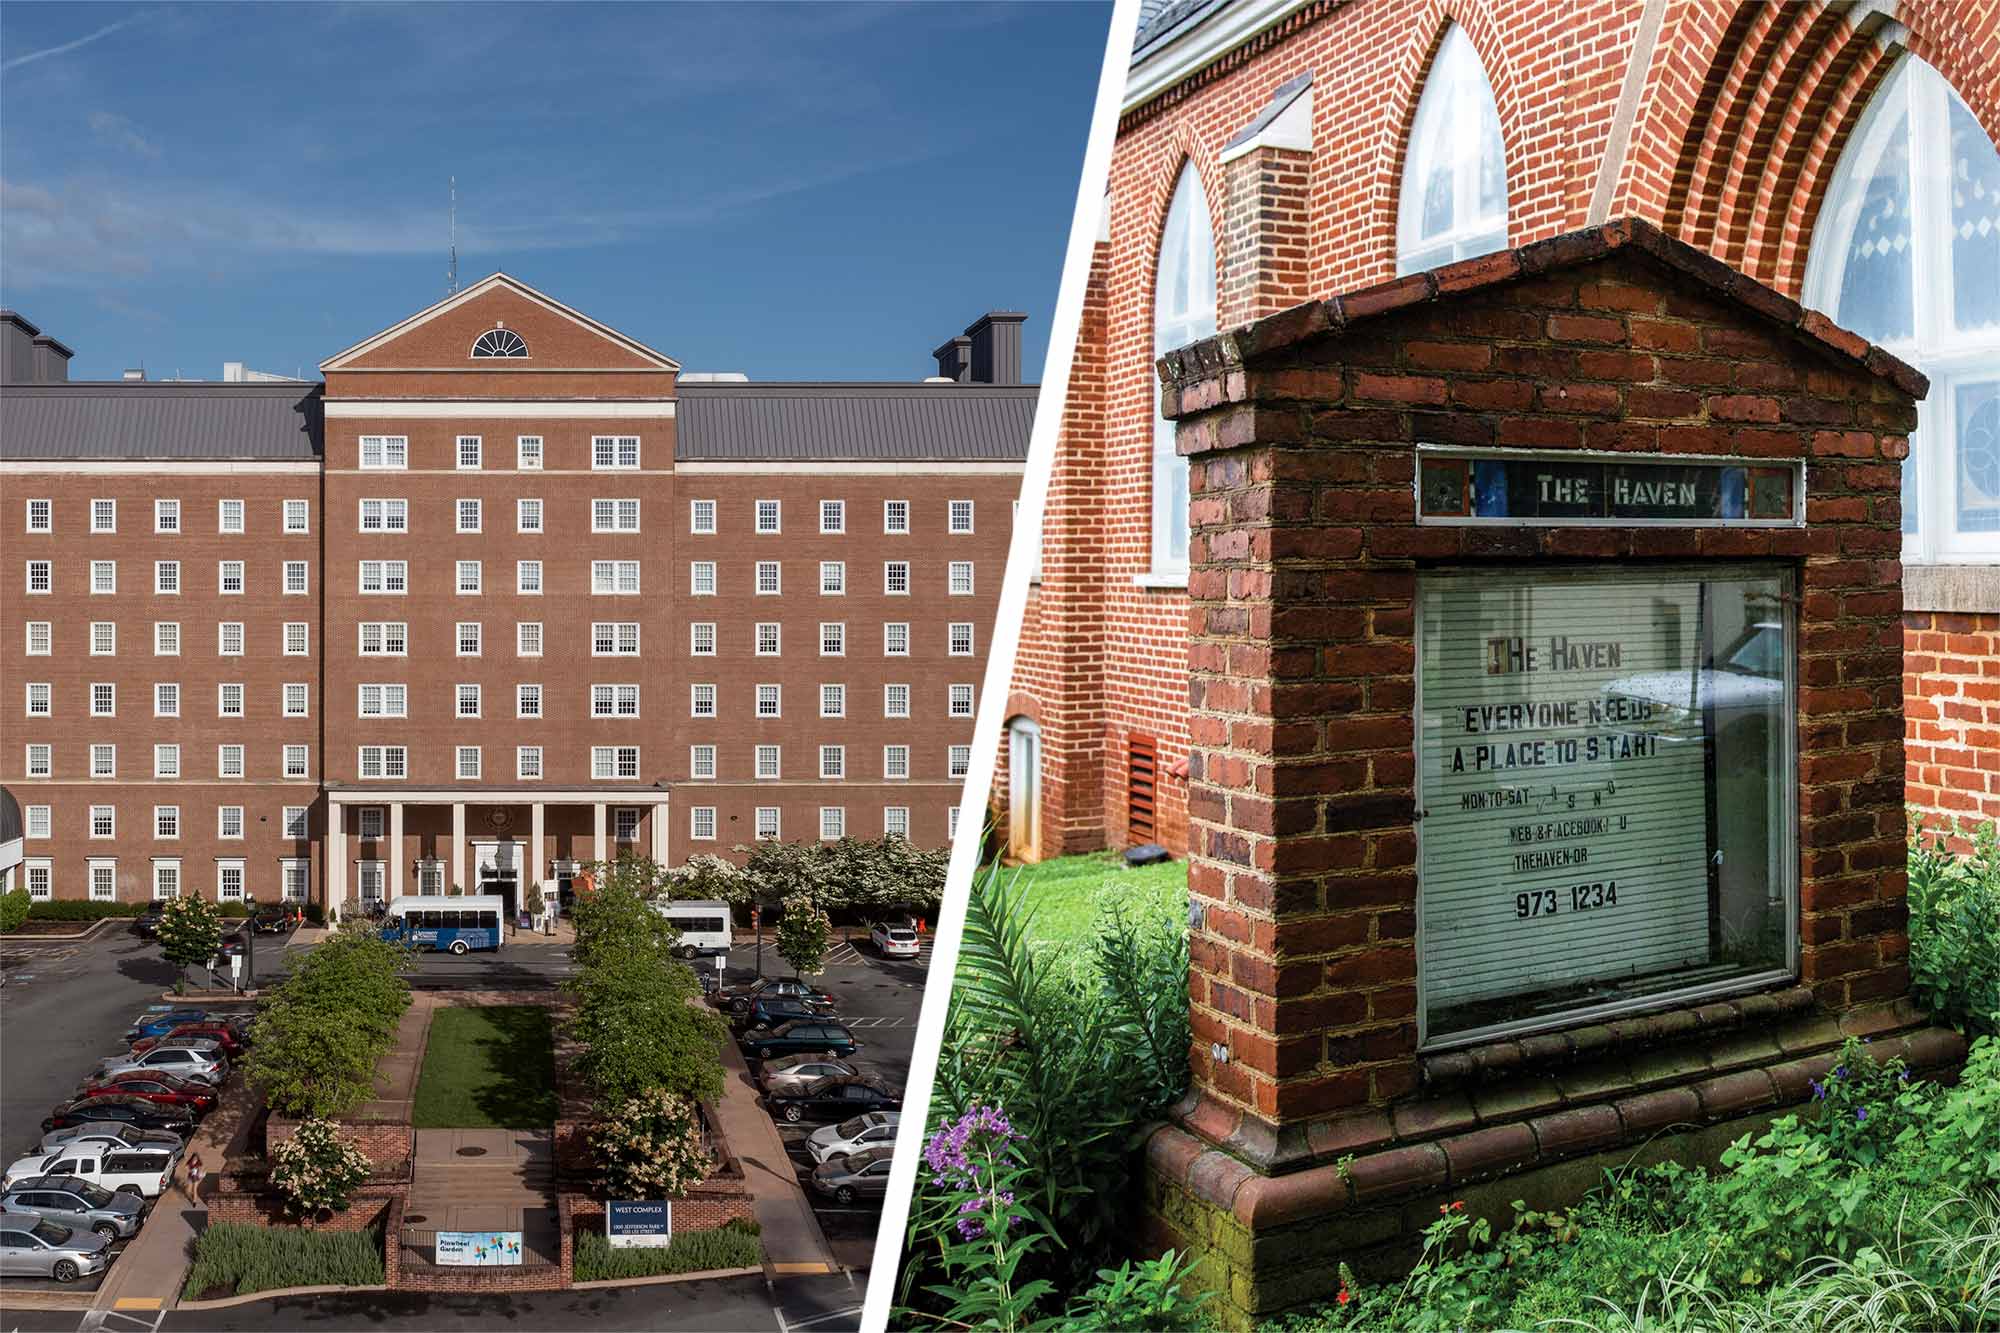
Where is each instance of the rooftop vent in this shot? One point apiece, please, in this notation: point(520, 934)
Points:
point(138, 373)
point(988, 352)
point(714, 377)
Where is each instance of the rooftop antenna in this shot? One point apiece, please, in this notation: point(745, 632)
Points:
point(451, 278)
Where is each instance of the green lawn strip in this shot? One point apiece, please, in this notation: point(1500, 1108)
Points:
point(1069, 894)
point(733, 1246)
point(232, 1259)
point(488, 1068)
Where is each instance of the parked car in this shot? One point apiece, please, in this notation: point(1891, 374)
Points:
point(895, 941)
point(270, 919)
point(142, 1171)
point(835, 1099)
point(76, 1204)
point(233, 944)
point(134, 1111)
point(769, 1013)
point(206, 1061)
point(858, 1175)
point(109, 1134)
point(146, 925)
point(222, 1034)
point(165, 1089)
point(31, 1246)
point(794, 1038)
point(874, 1129)
point(738, 999)
point(163, 1022)
point(789, 1073)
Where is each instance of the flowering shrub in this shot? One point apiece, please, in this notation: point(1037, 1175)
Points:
point(315, 1171)
point(804, 933)
point(968, 1157)
point(651, 1146)
point(190, 933)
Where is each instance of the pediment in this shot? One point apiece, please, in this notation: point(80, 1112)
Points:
point(444, 336)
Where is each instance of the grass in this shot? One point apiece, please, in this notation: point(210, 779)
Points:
point(733, 1246)
point(1068, 894)
point(488, 1068)
point(231, 1259)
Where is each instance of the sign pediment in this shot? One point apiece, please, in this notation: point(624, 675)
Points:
point(496, 325)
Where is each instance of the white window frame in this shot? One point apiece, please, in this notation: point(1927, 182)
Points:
point(370, 822)
point(616, 700)
point(225, 866)
point(774, 510)
point(224, 696)
point(468, 514)
point(608, 761)
point(530, 514)
point(41, 638)
point(103, 515)
point(461, 769)
point(1183, 312)
point(833, 700)
point(303, 509)
point(833, 578)
point(104, 698)
point(702, 700)
point(832, 763)
point(832, 517)
point(961, 700)
point(297, 578)
point(470, 580)
point(609, 578)
point(893, 695)
point(383, 633)
point(528, 763)
point(833, 638)
point(103, 578)
point(228, 818)
point(391, 453)
point(895, 763)
point(774, 695)
point(951, 514)
point(166, 516)
point(226, 632)
point(701, 823)
point(38, 760)
point(467, 691)
point(701, 518)
point(958, 761)
point(103, 879)
point(616, 514)
point(701, 632)
point(955, 632)
point(166, 823)
point(37, 821)
point(229, 517)
point(231, 578)
point(100, 822)
point(40, 515)
point(768, 763)
point(609, 453)
point(769, 824)
point(167, 883)
point(1457, 123)
point(702, 762)
point(389, 698)
point(528, 699)
point(40, 578)
point(896, 518)
point(291, 691)
point(958, 578)
point(383, 763)
point(392, 514)
point(528, 638)
point(528, 453)
point(770, 580)
point(894, 632)
point(297, 638)
point(832, 823)
point(470, 454)
point(771, 633)
point(166, 698)
point(528, 578)
point(166, 760)
point(617, 633)
point(469, 632)
point(166, 578)
point(229, 760)
point(103, 761)
point(895, 572)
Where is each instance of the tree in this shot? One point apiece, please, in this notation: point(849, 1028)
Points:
point(14, 908)
point(190, 933)
point(618, 913)
point(322, 1031)
point(651, 1146)
point(804, 933)
point(709, 878)
point(315, 1172)
point(781, 870)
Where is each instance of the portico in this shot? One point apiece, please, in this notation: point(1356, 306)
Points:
point(383, 842)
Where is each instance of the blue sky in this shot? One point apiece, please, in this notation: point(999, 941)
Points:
point(796, 191)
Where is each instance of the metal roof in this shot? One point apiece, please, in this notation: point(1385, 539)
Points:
point(890, 422)
point(1161, 19)
point(131, 419)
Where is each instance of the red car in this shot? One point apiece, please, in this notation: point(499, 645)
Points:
point(222, 1034)
point(160, 1089)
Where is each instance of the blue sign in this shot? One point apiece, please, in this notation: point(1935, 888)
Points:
point(639, 1224)
point(479, 1248)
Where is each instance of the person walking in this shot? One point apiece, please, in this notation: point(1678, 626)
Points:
point(194, 1174)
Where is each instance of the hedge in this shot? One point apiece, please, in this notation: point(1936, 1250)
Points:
point(241, 1259)
point(735, 1245)
point(78, 909)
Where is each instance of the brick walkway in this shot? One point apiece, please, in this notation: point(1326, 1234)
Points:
point(483, 1180)
point(793, 1241)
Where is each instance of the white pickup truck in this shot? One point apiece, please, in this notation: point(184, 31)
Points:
point(141, 1171)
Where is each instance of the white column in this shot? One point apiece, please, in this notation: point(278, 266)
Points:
point(535, 862)
point(457, 846)
point(395, 849)
point(597, 815)
point(659, 818)
point(336, 858)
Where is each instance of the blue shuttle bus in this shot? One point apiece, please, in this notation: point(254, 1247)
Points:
point(450, 924)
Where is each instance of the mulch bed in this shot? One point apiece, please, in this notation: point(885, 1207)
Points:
point(33, 927)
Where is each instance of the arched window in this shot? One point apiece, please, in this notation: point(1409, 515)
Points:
point(1453, 203)
point(1183, 312)
point(1906, 253)
point(499, 342)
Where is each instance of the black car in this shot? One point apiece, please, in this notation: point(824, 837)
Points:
point(738, 999)
point(270, 919)
point(146, 925)
point(798, 1037)
point(134, 1111)
point(233, 944)
point(770, 1011)
point(835, 1099)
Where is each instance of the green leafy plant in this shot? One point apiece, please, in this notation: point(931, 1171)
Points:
point(315, 1171)
point(1148, 1294)
point(190, 933)
point(321, 1032)
point(82, 909)
point(651, 1146)
point(734, 1245)
point(1955, 922)
point(804, 934)
point(234, 1259)
point(14, 909)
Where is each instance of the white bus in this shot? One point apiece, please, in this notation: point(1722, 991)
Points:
point(704, 926)
point(440, 922)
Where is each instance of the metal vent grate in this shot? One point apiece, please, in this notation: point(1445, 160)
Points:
point(1142, 775)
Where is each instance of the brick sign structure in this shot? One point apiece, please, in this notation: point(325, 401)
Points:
point(1546, 792)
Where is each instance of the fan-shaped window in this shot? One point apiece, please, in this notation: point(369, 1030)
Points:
point(499, 342)
point(1453, 203)
point(1183, 312)
point(1906, 253)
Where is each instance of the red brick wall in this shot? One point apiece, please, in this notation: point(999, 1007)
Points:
point(1951, 683)
point(1742, 113)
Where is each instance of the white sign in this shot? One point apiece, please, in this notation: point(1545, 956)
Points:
point(478, 1248)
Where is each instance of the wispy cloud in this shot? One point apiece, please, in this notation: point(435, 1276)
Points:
point(85, 40)
point(120, 133)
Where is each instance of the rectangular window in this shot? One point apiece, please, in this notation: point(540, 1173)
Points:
point(384, 638)
point(41, 698)
point(167, 578)
point(895, 762)
point(388, 699)
point(229, 638)
point(166, 761)
point(166, 700)
point(769, 698)
point(959, 516)
point(103, 821)
point(528, 578)
point(384, 762)
point(1662, 698)
point(298, 516)
point(104, 761)
point(960, 581)
point(701, 702)
point(769, 761)
point(229, 761)
point(768, 578)
point(295, 823)
point(701, 517)
point(104, 516)
point(104, 699)
point(701, 639)
point(385, 451)
point(614, 452)
point(832, 761)
point(767, 823)
point(41, 516)
point(468, 638)
point(833, 638)
point(958, 761)
point(528, 700)
point(961, 701)
point(896, 516)
point(41, 577)
point(369, 821)
point(769, 640)
point(701, 578)
point(951, 821)
point(38, 821)
point(614, 762)
point(469, 451)
point(614, 701)
point(295, 878)
point(229, 700)
point(701, 761)
point(166, 880)
point(103, 577)
point(624, 824)
point(471, 578)
point(896, 578)
point(528, 453)
point(41, 638)
point(229, 821)
point(896, 638)
point(895, 821)
point(527, 515)
point(229, 881)
point(39, 761)
point(833, 516)
point(614, 577)
point(832, 578)
point(701, 823)
point(385, 515)
point(166, 516)
point(296, 574)
point(614, 515)
point(468, 701)
point(166, 821)
point(229, 516)
point(104, 881)
point(620, 638)
point(528, 763)
point(229, 578)
point(298, 642)
point(471, 515)
point(960, 640)
point(467, 769)
point(768, 512)
point(833, 701)
point(832, 822)
point(295, 696)
point(528, 638)
point(388, 578)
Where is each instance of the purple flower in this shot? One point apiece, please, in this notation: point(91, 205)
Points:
point(1839, 1072)
point(1819, 1090)
point(1860, 1114)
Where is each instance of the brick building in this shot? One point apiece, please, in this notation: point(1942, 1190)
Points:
point(1272, 151)
point(504, 593)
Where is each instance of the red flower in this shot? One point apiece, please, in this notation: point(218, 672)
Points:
point(1444, 1207)
point(1459, 1206)
point(1345, 1296)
